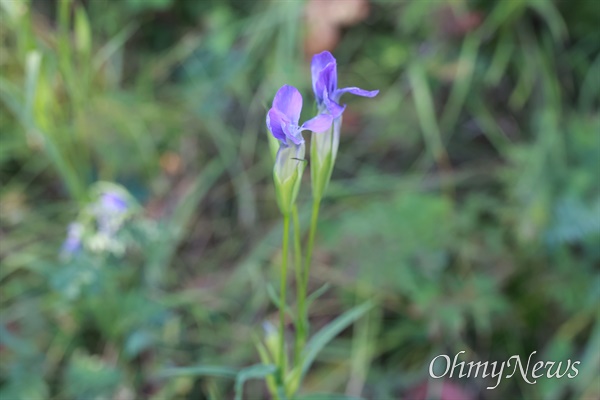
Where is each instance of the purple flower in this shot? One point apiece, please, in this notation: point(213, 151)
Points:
point(110, 209)
point(324, 79)
point(72, 243)
point(283, 117)
point(113, 202)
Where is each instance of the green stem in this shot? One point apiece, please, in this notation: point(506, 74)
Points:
point(301, 298)
point(282, 301)
point(311, 241)
point(297, 246)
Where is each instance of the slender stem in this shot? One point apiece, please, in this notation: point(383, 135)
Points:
point(297, 246)
point(282, 301)
point(301, 297)
point(311, 241)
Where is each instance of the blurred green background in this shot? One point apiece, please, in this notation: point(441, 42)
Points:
point(465, 200)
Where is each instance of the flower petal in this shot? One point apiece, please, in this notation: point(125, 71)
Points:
point(333, 107)
point(288, 100)
point(295, 135)
point(113, 202)
point(320, 123)
point(355, 91)
point(276, 120)
point(73, 241)
point(324, 74)
point(320, 61)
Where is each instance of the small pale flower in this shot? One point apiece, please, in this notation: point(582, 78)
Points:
point(113, 202)
point(110, 210)
point(72, 243)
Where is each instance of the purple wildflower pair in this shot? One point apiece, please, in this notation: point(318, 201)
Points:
point(283, 122)
point(284, 116)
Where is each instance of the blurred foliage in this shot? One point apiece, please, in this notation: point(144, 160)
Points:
point(465, 200)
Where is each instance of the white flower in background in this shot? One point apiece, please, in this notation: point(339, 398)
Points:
point(98, 225)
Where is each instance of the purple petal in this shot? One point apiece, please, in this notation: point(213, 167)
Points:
point(333, 107)
point(324, 76)
point(355, 91)
point(113, 202)
point(288, 100)
point(295, 135)
point(276, 120)
point(320, 61)
point(320, 123)
point(73, 241)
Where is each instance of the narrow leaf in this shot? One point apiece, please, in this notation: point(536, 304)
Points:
point(330, 331)
point(273, 296)
point(199, 370)
point(317, 293)
point(257, 371)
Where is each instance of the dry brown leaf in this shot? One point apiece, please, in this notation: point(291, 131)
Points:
point(325, 18)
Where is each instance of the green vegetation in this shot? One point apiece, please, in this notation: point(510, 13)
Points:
point(464, 207)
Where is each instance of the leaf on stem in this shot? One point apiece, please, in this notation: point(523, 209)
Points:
point(330, 331)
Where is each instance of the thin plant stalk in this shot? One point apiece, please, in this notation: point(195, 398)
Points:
point(301, 296)
point(282, 301)
point(309, 249)
point(311, 239)
point(297, 237)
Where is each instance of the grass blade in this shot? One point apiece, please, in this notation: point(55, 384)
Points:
point(257, 371)
point(329, 332)
point(199, 370)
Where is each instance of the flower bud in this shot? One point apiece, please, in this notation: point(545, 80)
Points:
point(273, 146)
point(323, 151)
point(287, 174)
point(271, 340)
point(268, 350)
